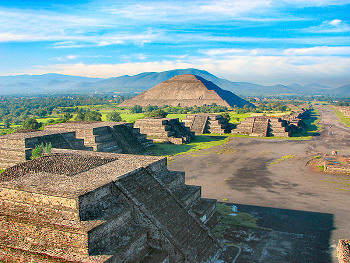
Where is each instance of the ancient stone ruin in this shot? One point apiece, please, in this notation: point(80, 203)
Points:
point(207, 123)
point(336, 163)
point(17, 147)
point(186, 90)
point(165, 130)
point(93, 136)
point(117, 137)
point(91, 207)
point(262, 126)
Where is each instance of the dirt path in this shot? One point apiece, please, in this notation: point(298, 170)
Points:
point(273, 173)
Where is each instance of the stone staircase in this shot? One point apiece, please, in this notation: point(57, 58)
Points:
point(186, 232)
point(126, 140)
point(260, 127)
point(117, 137)
point(141, 214)
point(164, 130)
point(207, 123)
point(199, 124)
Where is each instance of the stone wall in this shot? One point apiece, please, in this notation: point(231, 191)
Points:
point(17, 147)
point(116, 137)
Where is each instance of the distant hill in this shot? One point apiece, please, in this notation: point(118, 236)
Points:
point(57, 83)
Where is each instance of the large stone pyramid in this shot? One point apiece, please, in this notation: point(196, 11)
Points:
point(186, 90)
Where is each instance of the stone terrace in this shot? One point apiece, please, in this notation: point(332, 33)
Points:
point(165, 130)
point(122, 208)
point(119, 137)
point(262, 126)
point(207, 123)
point(17, 147)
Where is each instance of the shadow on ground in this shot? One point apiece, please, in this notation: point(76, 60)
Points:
point(294, 236)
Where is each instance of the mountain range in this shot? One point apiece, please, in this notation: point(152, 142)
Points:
point(58, 84)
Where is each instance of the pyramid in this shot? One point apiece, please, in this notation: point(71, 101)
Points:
point(186, 90)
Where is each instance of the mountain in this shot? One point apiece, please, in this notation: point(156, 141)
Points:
point(57, 83)
point(42, 84)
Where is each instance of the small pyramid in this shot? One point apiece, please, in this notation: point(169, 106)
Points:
point(186, 90)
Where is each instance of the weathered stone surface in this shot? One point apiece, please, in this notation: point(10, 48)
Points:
point(118, 208)
point(343, 251)
point(165, 130)
point(207, 123)
point(262, 126)
point(186, 90)
point(17, 147)
point(119, 137)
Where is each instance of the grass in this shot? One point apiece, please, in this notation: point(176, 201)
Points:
point(283, 158)
point(344, 119)
point(200, 142)
point(240, 219)
point(2, 170)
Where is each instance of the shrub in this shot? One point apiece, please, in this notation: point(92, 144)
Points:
point(136, 109)
point(31, 124)
point(39, 150)
point(114, 116)
point(156, 114)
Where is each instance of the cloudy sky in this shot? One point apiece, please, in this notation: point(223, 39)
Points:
point(259, 41)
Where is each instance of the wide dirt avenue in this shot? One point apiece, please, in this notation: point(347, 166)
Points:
point(259, 174)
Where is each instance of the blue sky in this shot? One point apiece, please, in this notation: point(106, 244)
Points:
point(259, 41)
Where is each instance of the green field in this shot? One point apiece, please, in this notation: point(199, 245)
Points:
point(200, 142)
point(344, 119)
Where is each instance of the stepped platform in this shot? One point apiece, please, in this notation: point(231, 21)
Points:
point(263, 126)
point(17, 147)
point(207, 123)
point(165, 130)
point(118, 137)
point(108, 207)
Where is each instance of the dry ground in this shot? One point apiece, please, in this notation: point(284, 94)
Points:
point(258, 174)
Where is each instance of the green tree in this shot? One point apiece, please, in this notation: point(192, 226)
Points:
point(40, 150)
point(31, 124)
point(7, 122)
point(80, 116)
point(156, 114)
point(136, 109)
point(226, 116)
point(93, 116)
point(114, 116)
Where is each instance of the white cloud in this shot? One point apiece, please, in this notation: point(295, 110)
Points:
point(319, 51)
point(334, 26)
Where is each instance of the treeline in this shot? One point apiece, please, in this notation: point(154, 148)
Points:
point(179, 110)
point(16, 110)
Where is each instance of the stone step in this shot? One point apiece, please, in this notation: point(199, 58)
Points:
point(188, 194)
point(146, 191)
point(155, 256)
point(133, 250)
point(173, 179)
point(204, 208)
